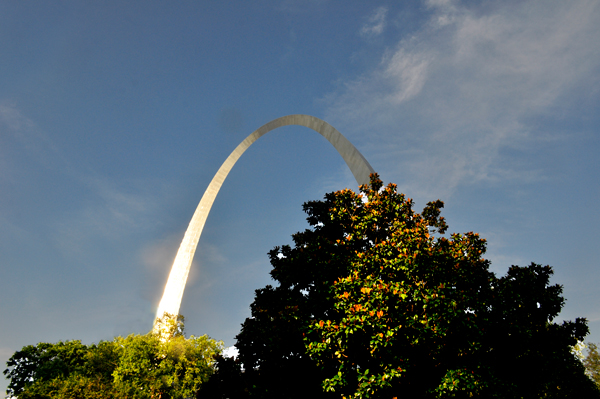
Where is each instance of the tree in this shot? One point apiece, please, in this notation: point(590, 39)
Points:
point(169, 326)
point(138, 366)
point(227, 382)
point(374, 301)
point(44, 369)
point(592, 363)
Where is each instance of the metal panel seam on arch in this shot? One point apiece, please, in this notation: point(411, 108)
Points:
point(360, 168)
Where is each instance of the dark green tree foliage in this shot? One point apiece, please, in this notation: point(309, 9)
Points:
point(374, 302)
point(138, 366)
point(227, 382)
point(53, 362)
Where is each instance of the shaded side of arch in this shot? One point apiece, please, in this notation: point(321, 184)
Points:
point(360, 168)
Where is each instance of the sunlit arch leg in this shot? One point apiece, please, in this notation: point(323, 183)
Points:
point(360, 168)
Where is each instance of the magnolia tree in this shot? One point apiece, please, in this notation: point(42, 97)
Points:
point(375, 301)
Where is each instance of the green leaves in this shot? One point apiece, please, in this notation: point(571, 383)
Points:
point(138, 366)
point(401, 296)
point(148, 366)
point(371, 303)
point(592, 363)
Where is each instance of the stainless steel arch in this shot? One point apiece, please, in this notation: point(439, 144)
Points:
point(361, 169)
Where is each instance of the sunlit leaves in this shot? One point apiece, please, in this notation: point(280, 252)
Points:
point(137, 366)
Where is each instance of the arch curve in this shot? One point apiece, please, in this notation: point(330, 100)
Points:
point(360, 168)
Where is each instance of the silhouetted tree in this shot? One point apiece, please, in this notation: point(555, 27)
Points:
point(374, 301)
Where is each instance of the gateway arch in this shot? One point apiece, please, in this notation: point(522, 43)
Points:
point(361, 169)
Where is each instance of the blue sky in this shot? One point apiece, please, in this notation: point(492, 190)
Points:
point(114, 116)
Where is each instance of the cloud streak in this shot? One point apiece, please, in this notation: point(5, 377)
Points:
point(375, 23)
point(21, 138)
point(444, 103)
point(112, 213)
point(108, 209)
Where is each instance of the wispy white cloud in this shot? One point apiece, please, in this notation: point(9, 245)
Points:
point(444, 103)
point(375, 23)
point(111, 209)
point(13, 119)
point(112, 213)
point(20, 135)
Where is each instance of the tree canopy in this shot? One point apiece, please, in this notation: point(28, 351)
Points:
point(138, 366)
point(373, 301)
point(592, 363)
point(376, 301)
